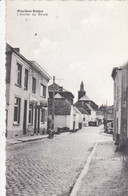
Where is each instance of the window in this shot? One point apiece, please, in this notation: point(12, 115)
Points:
point(19, 74)
point(33, 85)
point(43, 91)
point(26, 79)
point(43, 116)
point(17, 110)
point(30, 121)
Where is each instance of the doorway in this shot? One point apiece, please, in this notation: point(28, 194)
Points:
point(35, 121)
point(25, 117)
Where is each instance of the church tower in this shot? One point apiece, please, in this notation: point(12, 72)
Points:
point(81, 92)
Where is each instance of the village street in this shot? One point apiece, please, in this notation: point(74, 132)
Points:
point(49, 166)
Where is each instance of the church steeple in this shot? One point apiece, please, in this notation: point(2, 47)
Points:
point(82, 86)
point(81, 92)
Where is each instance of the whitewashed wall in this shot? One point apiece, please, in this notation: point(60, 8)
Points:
point(16, 91)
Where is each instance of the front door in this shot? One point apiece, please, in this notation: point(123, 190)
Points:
point(73, 126)
point(35, 121)
point(25, 117)
point(38, 120)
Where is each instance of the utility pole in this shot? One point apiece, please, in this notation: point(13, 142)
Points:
point(105, 118)
point(53, 102)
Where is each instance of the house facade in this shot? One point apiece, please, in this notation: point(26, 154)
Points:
point(120, 77)
point(26, 95)
point(76, 119)
point(62, 114)
point(66, 115)
point(100, 114)
point(83, 117)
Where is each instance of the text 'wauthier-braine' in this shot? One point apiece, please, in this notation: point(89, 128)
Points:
point(30, 11)
point(33, 12)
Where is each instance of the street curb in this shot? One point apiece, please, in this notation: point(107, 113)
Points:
point(32, 139)
point(84, 171)
point(105, 134)
point(19, 141)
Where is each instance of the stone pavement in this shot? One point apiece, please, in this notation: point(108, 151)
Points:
point(107, 174)
point(48, 167)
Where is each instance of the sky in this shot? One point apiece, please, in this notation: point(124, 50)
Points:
point(75, 41)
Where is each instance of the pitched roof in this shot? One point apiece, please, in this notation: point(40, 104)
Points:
point(76, 110)
point(40, 69)
point(57, 88)
point(63, 110)
point(85, 98)
point(82, 110)
point(57, 96)
point(89, 107)
point(83, 105)
point(62, 106)
point(31, 63)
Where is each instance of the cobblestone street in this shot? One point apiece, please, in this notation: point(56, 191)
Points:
point(49, 166)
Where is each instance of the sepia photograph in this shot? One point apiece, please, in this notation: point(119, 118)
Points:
point(66, 98)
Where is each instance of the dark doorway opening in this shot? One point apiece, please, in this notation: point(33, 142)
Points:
point(25, 117)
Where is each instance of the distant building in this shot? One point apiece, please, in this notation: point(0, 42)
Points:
point(83, 117)
point(84, 98)
point(120, 77)
point(100, 114)
point(76, 118)
point(65, 114)
point(87, 104)
point(26, 95)
point(108, 119)
point(61, 91)
point(81, 92)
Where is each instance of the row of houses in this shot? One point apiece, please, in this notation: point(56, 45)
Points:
point(85, 112)
point(31, 103)
point(26, 95)
point(67, 116)
point(120, 77)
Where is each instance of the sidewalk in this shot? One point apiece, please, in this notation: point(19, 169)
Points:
point(25, 139)
point(107, 174)
point(31, 138)
point(102, 131)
